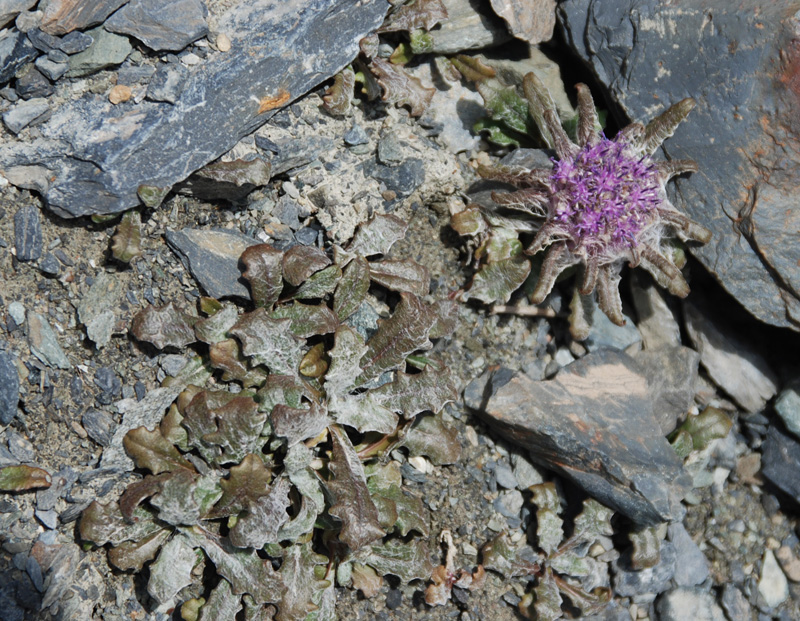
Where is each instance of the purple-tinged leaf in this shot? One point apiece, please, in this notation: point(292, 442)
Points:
point(320, 284)
point(269, 341)
point(299, 262)
point(103, 524)
point(263, 517)
point(164, 326)
point(495, 282)
point(306, 319)
point(134, 554)
point(430, 437)
point(264, 272)
point(348, 484)
point(345, 366)
point(151, 450)
point(172, 430)
point(215, 328)
point(22, 478)
point(401, 88)
point(286, 390)
point(423, 14)
point(352, 288)
point(172, 570)
point(227, 356)
point(222, 604)
point(126, 243)
point(299, 424)
point(378, 235)
point(239, 426)
point(200, 419)
point(406, 560)
point(136, 493)
point(246, 482)
point(243, 568)
point(299, 577)
point(337, 98)
point(411, 394)
point(401, 275)
point(399, 336)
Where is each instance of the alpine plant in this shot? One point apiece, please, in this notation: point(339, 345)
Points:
point(604, 202)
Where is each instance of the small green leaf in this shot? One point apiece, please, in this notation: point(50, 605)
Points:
point(164, 326)
point(421, 41)
point(646, 547)
point(215, 328)
point(548, 599)
point(549, 530)
point(594, 521)
point(495, 282)
point(711, 424)
point(22, 478)
point(352, 288)
point(151, 450)
point(152, 196)
point(126, 243)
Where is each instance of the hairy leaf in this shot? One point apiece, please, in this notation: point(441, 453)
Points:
point(711, 424)
point(378, 235)
point(134, 554)
point(320, 284)
point(594, 521)
point(164, 326)
point(646, 547)
point(186, 497)
point(126, 243)
point(172, 570)
point(469, 222)
point(264, 271)
point(352, 288)
point(410, 395)
point(338, 96)
point(399, 336)
point(398, 509)
point(151, 450)
point(420, 14)
point(21, 478)
point(239, 425)
point(297, 461)
point(548, 599)
point(549, 530)
point(283, 389)
point(103, 524)
point(299, 262)
point(263, 518)
point(299, 576)
point(269, 341)
point(227, 357)
point(401, 275)
point(136, 493)
point(306, 319)
point(222, 604)
point(363, 413)
point(243, 568)
point(496, 282)
point(499, 556)
point(215, 328)
point(431, 437)
point(353, 505)
point(446, 318)
point(406, 560)
point(299, 424)
point(200, 419)
point(345, 366)
point(246, 482)
point(401, 88)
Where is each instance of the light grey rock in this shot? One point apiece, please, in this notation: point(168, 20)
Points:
point(469, 25)
point(20, 447)
point(74, 42)
point(99, 425)
point(355, 136)
point(44, 343)
point(62, 482)
point(656, 320)
point(9, 9)
point(606, 334)
point(780, 461)
point(96, 308)
point(107, 49)
point(691, 568)
point(49, 519)
point(509, 503)
point(733, 365)
point(787, 405)
point(505, 476)
point(649, 581)
point(9, 388)
point(525, 472)
point(683, 603)
point(158, 144)
point(530, 20)
point(52, 70)
point(23, 113)
point(671, 375)
point(772, 584)
point(17, 312)
point(735, 604)
point(161, 25)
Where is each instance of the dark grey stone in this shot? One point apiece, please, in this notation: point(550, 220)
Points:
point(394, 599)
point(28, 233)
point(402, 179)
point(295, 154)
point(62, 482)
point(355, 136)
point(594, 423)
point(161, 25)
point(99, 425)
point(226, 97)
point(286, 210)
point(9, 388)
point(691, 568)
point(212, 256)
point(742, 71)
point(107, 49)
point(20, 447)
point(49, 265)
point(167, 83)
point(57, 56)
point(390, 150)
point(15, 51)
point(134, 74)
point(42, 41)
point(671, 373)
point(109, 384)
point(34, 571)
point(75, 42)
point(780, 461)
point(629, 582)
point(227, 180)
point(51, 69)
point(34, 84)
point(307, 236)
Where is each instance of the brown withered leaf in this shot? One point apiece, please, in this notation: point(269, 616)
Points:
point(126, 243)
point(306, 319)
point(151, 450)
point(348, 484)
point(264, 272)
point(227, 357)
point(164, 326)
point(136, 493)
point(401, 88)
point(245, 483)
point(401, 275)
point(199, 418)
point(239, 426)
point(472, 68)
point(420, 14)
point(377, 236)
point(314, 363)
point(21, 478)
point(299, 262)
point(411, 394)
point(338, 97)
point(134, 554)
point(320, 284)
point(269, 341)
point(352, 288)
point(399, 336)
point(263, 517)
point(299, 424)
point(431, 437)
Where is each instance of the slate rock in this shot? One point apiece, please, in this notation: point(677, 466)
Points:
point(20, 447)
point(691, 568)
point(780, 461)
point(685, 603)
point(26, 113)
point(96, 308)
point(402, 179)
point(629, 582)
point(734, 364)
point(52, 70)
point(356, 135)
point(99, 425)
point(656, 319)
point(9, 9)
point(605, 333)
point(294, 154)
point(742, 69)
point(594, 423)
point(9, 388)
point(161, 25)
point(44, 343)
point(61, 484)
point(671, 374)
point(787, 406)
point(287, 211)
point(33, 84)
point(226, 97)
point(28, 233)
point(168, 82)
point(15, 51)
point(63, 16)
point(49, 265)
point(107, 49)
point(42, 41)
point(469, 25)
point(530, 20)
point(74, 42)
point(212, 256)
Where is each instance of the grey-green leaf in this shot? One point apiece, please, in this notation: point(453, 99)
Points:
point(172, 570)
point(495, 282)
point(378, 235)
point(269, 341)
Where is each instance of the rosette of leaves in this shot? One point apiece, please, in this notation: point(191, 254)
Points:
point(561, 567)
point(273, 474)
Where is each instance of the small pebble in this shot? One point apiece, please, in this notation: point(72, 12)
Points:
point(48, 518)
point(223, 42)
point(772, 585)
point(789, 563)
point(119, 94)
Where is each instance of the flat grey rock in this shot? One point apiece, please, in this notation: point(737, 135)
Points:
point(99, 425)
point(15, 51)
point(650, 54)
point(671, 374)
point(629, 582)
point(44, 343)
point(780, 461)
point(301, 43)
point(212, 256)
point(787, 406)
point(107, 49)
point(23, 113)
point(63, 16)
point(28, 233)
point(96, 308)
point(9, 388)
point(685, 603)
point(9, 9)
point(691, 568)
point(161, 25)
point(594, 423)
point(51, 69)
point(469, 25)
point(74, 42)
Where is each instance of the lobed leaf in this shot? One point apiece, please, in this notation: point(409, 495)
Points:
point(186, 497)
point(363, 413)
point(401, 275)
point(549, 530)
point(548, 599)
point(134, 554)
point(227, 357)
point(172, 570)
point(299, 424)
point(22, 478)
point(269, 341)
point(431, 437)
point(320, 284)
point(302, 584)
point(263, 518)
point(398, 510)
point(406, 560)
point(378, 235)
point(419, 14)
point(222, 604)
point(352, 289)
point(126, 243)
point(412, 394)
point(400, 87)
point(306, 319)
point(499, 556)
point(163, 326)
point(151, 450)
point(102, 524)
point(300, 262)
point(345, 366)
point(246, 482)
point(239, 424)
point(215, 328)
point(285, 390)
point(495, 282)
point(337, 98)
point(593, 522)
point(264, 272)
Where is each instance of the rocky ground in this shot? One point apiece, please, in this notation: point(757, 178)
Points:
point(70, 373)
